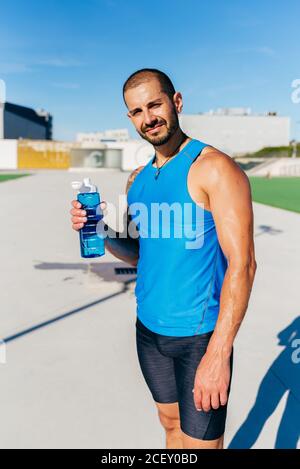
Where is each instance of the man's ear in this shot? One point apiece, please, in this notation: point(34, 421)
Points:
point(177, 100)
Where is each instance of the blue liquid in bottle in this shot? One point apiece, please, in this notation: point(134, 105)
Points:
point(91, 242)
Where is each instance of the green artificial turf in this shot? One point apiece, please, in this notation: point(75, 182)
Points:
point(282, 192)
point(7, 177)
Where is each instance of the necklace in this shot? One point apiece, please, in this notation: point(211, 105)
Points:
point(157, 172)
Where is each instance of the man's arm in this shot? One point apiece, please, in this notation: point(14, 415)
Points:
point(229, 193)
point(125, 248)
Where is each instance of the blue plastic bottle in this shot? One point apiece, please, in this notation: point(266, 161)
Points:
point(91, 242)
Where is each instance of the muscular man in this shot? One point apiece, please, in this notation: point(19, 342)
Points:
point(191, 298)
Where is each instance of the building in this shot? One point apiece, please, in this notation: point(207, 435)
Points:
point(114, 135)
point(237, 131)
point(110, 149)
point(23, 122)
point(134, 153)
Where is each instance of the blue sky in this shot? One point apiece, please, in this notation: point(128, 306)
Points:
point(72, 57)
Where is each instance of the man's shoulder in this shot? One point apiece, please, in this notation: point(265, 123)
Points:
point(132, 177)
point(211, 154)
point(212, 160)
point(213, 166)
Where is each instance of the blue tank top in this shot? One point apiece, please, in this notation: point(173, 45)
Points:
point(181, 265)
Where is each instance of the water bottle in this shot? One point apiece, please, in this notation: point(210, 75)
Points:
point(91, 242)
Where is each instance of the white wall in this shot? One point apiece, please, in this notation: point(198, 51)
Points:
point(135, 153)
point(236, 135)
point(278, 167)
point(8, 154)
point(1, 118)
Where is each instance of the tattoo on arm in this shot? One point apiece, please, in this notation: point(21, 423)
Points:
point(132, 177)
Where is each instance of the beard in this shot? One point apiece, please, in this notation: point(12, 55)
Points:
point(169, 130)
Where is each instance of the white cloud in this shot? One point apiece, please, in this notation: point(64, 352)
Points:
point(264, 50)
point(67, 86)
point(14, 67)
point(31, 66)
point(59, 62)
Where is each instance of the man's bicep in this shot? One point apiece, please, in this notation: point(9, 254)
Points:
point(231, 206)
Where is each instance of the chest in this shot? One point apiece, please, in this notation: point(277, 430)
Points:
point(170, 187)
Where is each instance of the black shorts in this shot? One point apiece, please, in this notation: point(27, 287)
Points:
point(169, 366)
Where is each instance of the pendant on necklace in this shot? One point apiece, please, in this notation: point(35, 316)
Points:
point(157, 174)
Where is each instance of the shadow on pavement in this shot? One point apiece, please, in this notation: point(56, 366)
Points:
point(68, 313)
point(282, 377)
point(103, 270)
point(266, 229)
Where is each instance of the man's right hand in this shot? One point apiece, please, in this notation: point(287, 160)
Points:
point(79, 218)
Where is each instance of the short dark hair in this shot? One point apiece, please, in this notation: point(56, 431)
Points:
point(144, 74)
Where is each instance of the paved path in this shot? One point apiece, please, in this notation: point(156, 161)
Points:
point(74, 380)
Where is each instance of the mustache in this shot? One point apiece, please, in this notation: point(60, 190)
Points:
point(147, 127)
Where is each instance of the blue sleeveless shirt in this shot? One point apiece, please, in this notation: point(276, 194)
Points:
point(181, 265)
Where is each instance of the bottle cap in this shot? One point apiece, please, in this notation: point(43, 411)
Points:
point(84, 186)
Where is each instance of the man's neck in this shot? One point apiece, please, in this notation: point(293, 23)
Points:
point(169, 149)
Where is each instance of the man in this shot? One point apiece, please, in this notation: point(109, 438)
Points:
point(191, 298)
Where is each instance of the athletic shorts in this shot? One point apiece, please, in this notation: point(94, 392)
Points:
point(169, 366)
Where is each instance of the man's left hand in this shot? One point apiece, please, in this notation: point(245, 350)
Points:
point(211, 381)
